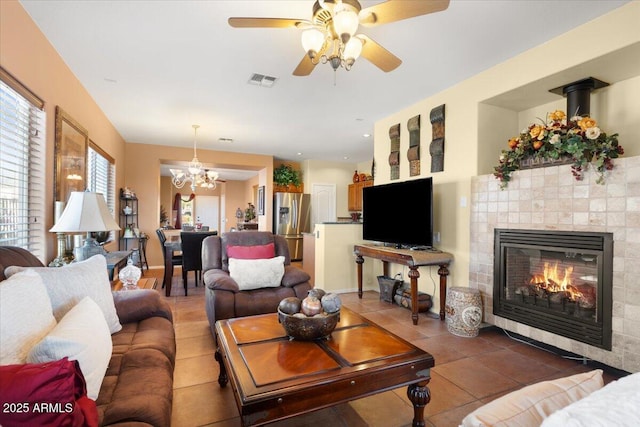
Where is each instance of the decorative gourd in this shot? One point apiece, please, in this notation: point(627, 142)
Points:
point(311, 306)
point(290, 305)
point(331, 303)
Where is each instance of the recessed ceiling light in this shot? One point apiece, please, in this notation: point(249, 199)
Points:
point(366, 135)
point(346, 157)
point(226, 140)
point(299, 154)
point(108, 80)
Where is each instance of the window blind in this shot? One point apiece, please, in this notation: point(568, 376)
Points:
point(101, 175)
point(21, 171)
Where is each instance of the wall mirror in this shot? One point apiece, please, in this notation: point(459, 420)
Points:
point(70, 167)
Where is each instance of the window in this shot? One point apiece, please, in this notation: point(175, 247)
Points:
point(101, 176)
point(21, 167)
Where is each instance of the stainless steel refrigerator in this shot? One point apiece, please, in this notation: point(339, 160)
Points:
point(291, 219)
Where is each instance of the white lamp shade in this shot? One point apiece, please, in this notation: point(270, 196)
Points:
point(312, 39)
point(85, 212)
point(352, 49)
point(345, 21)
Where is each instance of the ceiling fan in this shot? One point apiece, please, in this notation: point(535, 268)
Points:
point(330, 36)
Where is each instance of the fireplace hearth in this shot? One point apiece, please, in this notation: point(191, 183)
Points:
point(558, 281)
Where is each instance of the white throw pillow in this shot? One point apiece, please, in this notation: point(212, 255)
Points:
point(81, 335)
point(257, 273)
point(25, 316)
point(530, 405)
point(616, 404)
point(69, 284)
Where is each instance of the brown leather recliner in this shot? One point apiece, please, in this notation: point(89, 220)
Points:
point(224, 300)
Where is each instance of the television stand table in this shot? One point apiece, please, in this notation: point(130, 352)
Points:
point(411, 258)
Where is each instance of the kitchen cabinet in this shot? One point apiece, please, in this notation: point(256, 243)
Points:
point(355, 194)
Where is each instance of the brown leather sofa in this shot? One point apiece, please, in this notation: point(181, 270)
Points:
point(224, 300)
point(137, 389)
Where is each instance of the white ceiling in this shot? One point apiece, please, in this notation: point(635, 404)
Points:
point(157, 67)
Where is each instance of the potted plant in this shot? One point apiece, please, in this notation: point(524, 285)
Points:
point(164, 219)
point(286, 178)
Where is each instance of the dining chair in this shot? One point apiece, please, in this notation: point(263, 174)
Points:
point(176, 259)
point(192, 254)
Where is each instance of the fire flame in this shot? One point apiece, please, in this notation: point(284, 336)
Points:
point(553, 280)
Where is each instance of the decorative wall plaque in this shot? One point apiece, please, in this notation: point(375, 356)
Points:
point(413, 154)
point(394, 155)
point(436, 149)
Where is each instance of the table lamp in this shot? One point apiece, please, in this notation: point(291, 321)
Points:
point(85, 212)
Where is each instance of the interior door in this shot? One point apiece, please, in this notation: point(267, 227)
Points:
point(208, 211)
point(323, 204)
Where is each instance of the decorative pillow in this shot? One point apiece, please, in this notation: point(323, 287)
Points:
point(532, 404)
point(257, 273)
point(69, 284)
point(81, 335)
point(25, 316)
point(252, 252)
point(616, 404)
point(45, 394)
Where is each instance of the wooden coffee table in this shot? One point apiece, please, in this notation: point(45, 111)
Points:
point(275, 378)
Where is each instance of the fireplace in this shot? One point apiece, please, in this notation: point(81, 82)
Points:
point(557, 281)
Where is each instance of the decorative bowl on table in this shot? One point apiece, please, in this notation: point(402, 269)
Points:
point(301, 327)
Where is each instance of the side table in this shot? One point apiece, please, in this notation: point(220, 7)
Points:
point(143, 283)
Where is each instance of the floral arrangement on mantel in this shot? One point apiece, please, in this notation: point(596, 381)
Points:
point(578, 141)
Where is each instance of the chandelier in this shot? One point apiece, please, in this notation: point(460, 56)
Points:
point(195, 174)
point(333, 38)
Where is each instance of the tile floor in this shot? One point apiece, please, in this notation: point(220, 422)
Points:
point(468, 373)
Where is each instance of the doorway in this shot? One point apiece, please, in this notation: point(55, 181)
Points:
point(208, 212)
point(323, 203)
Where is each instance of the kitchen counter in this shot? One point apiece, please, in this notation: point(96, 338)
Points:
point(335, 269)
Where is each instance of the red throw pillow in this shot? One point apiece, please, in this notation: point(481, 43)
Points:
point(252, 252)
point(45, 394)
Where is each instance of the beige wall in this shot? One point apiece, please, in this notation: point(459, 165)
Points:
point(475, 132)
point(28, 55)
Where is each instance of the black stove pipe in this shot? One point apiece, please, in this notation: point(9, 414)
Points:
point(578, 95)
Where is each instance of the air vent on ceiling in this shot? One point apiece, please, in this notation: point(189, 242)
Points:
point(262, 80)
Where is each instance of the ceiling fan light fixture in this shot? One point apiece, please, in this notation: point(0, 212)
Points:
point(312, 41)
point(352, 50)
point(345, 22)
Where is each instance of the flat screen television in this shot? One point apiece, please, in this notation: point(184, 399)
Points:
point(399, 214)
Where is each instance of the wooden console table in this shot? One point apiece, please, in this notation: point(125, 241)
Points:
point(411, 258)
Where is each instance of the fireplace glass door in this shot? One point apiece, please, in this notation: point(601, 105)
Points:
point(556, 281)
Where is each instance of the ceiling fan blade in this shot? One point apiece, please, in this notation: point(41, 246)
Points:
point(396, 10)
point(305, 67)
point(377, 55)
point(267, 22)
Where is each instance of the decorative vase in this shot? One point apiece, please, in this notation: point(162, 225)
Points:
point(356, 177)
point(130, 275)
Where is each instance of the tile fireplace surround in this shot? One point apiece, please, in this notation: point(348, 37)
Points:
point(551, 199)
